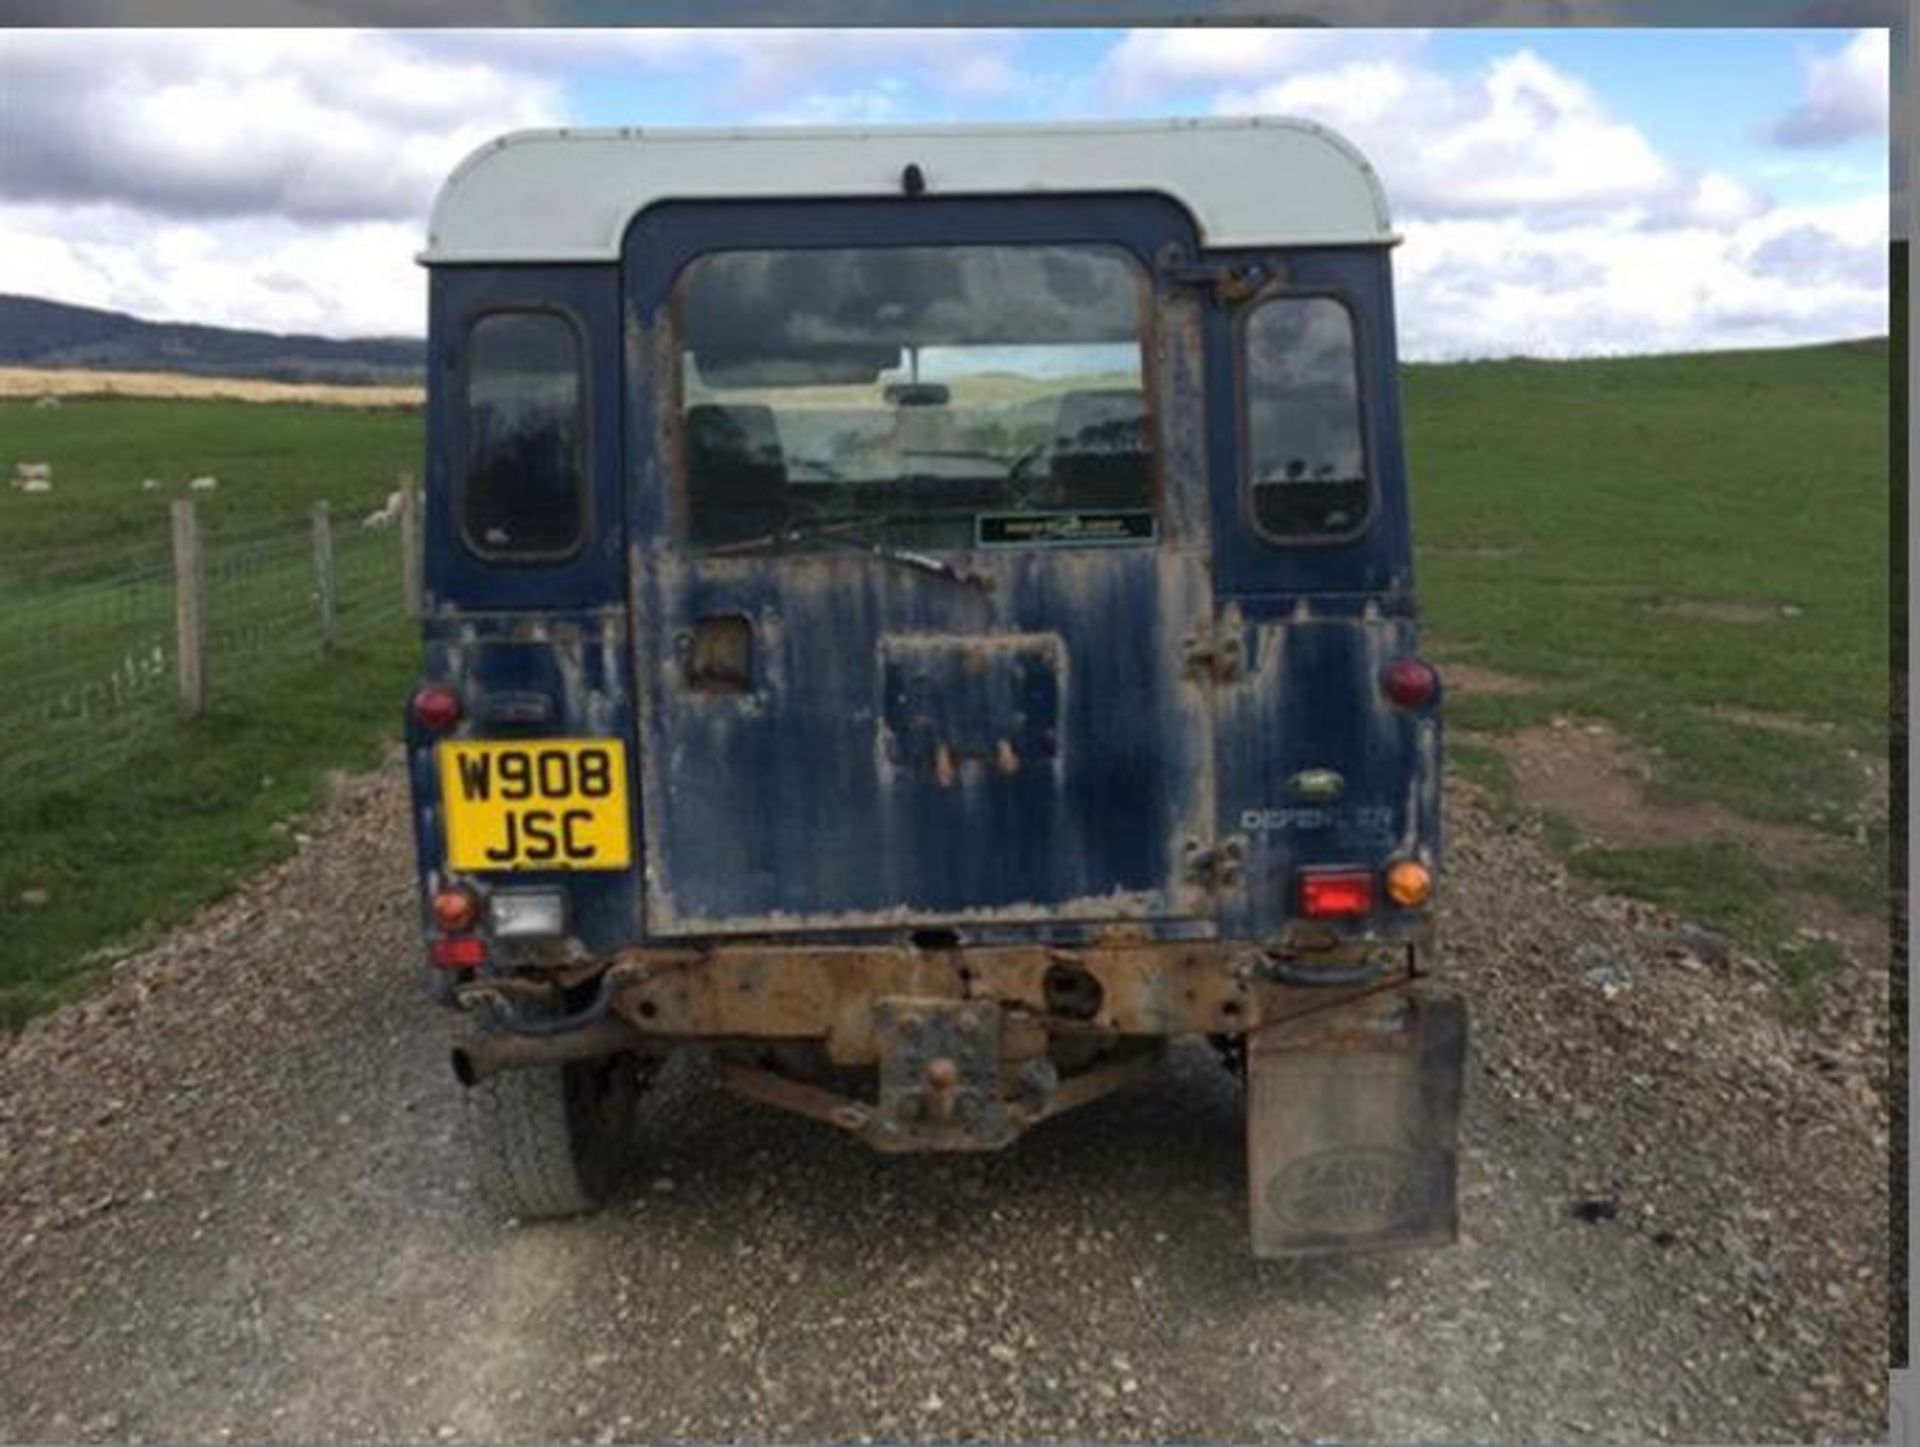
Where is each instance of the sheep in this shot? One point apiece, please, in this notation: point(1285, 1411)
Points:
point(35, 484)
point(384, 514)
point(203, 484)
point(25, 471)
point(149, 484)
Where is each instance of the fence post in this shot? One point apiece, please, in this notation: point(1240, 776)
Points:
point(190, 607)
point(410, 543)
point(323, 586)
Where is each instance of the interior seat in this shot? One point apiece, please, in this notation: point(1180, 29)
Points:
point(736, 474)
point(1100, 455)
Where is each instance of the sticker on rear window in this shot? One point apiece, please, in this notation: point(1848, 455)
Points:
point(1063, 529)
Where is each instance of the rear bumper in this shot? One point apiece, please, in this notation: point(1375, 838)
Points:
point(830, 994)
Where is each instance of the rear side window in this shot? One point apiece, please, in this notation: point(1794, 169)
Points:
point(1306, 465)
point(526, 436)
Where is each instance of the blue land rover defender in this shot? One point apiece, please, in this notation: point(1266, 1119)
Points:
point(925, 616)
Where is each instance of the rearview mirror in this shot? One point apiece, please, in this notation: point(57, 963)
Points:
point(917, 394)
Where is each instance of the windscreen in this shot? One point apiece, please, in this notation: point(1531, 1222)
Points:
point(933, 397)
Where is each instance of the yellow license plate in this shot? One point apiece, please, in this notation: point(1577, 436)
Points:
point(535, 804)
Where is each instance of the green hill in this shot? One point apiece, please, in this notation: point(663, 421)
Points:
point(39, 333)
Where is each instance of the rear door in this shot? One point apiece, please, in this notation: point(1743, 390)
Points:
point(919, 555)
point(1317, 766)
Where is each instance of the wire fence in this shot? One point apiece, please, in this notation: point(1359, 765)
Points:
point(105, 651)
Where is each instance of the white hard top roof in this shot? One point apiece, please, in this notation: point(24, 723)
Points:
point(568, 195)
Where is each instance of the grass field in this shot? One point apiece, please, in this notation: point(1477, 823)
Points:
point(1693, 550)
point(1690, 549)
point(272, 463)
point(100, 856)
point(1560, 505)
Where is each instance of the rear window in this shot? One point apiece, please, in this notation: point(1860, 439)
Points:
point(526, 435)
point(1306, 471)
point(932, 397)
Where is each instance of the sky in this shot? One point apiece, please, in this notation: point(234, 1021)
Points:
point(1560, 191)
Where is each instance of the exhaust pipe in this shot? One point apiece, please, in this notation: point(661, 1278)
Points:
point(479, 1056)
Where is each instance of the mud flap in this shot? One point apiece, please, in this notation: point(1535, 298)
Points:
point(1353, 1117)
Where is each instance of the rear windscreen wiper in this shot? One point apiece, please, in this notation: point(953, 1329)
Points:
point(924, 562)
point(823, 528)
point(830, 533)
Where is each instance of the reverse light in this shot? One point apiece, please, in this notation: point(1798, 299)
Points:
point(436, 708)
point(1336, 893)
point(1409, 884)
point(462, 952)
point(1410, 682)
point(527, 914)
point(455, 910)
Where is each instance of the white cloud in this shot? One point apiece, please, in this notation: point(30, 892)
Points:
point(1846, 95)
point(327, 125)
point(1498, 287)
point(1147, 64)
point(280, 179)
point(1539, 222)
point(1719, 199)
point(350, 279)
point(883, 103)
point(254, 178)
point(1520, 134)
point(1810, 255)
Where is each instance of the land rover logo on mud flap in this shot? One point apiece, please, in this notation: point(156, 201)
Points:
point(1350, 1192)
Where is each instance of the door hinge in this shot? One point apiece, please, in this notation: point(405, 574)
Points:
point(1218, 657)
point(1227, 281)
point(1217, 865)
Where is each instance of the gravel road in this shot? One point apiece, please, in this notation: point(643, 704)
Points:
point(236, 1204)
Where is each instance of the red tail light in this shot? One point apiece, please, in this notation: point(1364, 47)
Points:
point(467, 952)
point(455, 910)
point(1410, 682)
point(436, 707)
point(1336, 894)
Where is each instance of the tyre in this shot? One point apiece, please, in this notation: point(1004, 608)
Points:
point(553, 1140)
